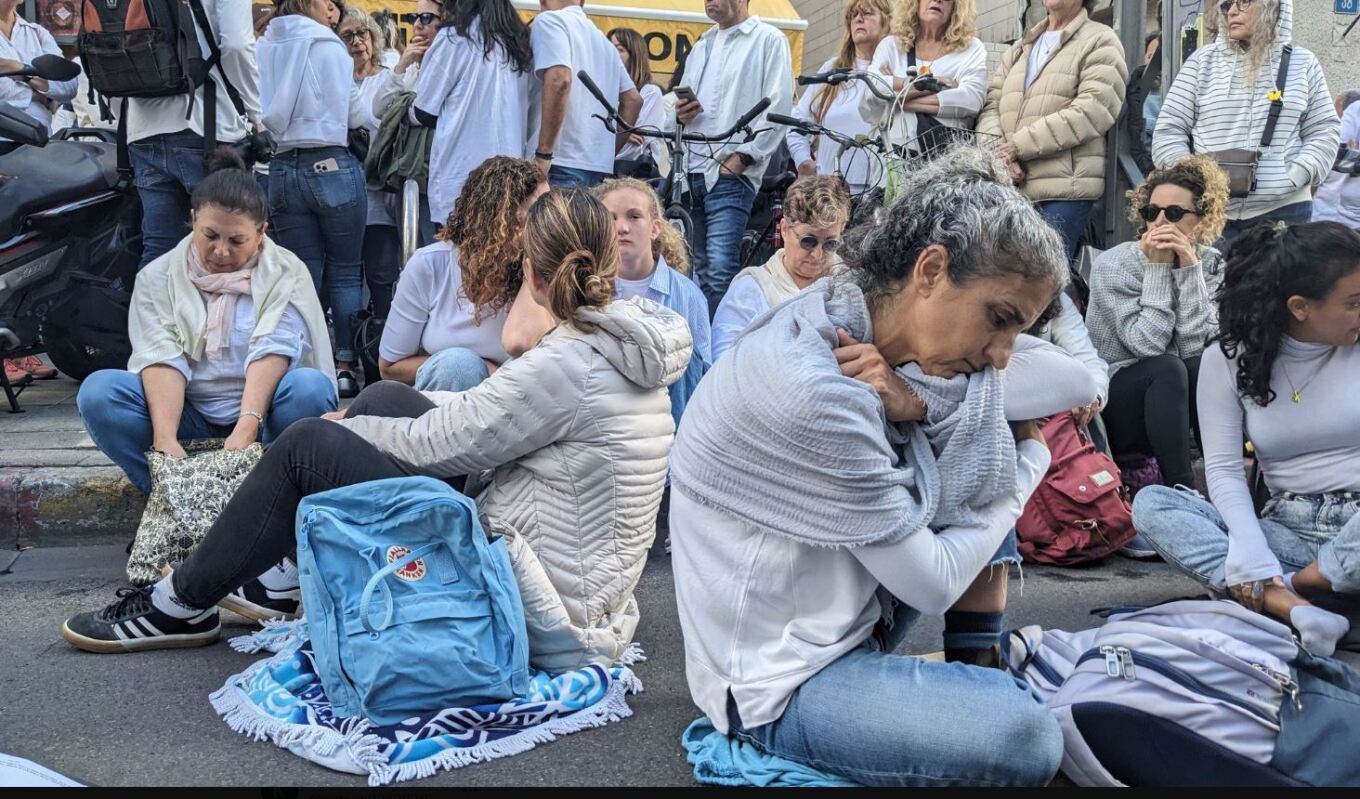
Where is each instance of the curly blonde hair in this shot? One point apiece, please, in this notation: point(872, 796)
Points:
point(818, 201)
point(486, 228)
point(1201, 176)
point(906, 24)
point(670, 245)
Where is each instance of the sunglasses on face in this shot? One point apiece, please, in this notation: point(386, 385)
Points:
point(424, 20)
point(810, 243)
point(1227, 5)
point(1174, 213)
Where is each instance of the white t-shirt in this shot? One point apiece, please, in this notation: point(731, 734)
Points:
point(482, 105)
point(378, 212)
point(1039, 53)
point(628, 289)
point(567, 37)
point(652, 115)
point(430, 314)
point(842, 116)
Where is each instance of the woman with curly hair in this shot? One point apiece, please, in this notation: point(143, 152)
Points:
point(938, 36)
point(1286, 372)
point(444, 331)
point(1152, 311)
point(1224, 96)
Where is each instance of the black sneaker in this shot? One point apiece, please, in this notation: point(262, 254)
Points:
point(346, 384)
point(133, 624)
point(258, 603)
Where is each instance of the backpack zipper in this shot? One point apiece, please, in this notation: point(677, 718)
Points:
point(1115, 666)
point(1287, 684)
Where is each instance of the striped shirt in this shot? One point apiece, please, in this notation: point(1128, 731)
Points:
point(1211, 106)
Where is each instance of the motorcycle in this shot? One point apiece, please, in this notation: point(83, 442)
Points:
point(70, 242)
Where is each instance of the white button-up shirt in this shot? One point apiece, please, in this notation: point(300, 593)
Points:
point(26, 42)
point(751, 62)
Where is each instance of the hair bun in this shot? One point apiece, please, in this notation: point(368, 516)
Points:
point(225, 157)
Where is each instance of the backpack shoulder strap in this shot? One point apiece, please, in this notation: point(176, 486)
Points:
point(1277, 104)
point(215, 57)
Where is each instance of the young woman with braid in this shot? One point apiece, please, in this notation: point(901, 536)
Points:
point(444, 330)
point(1285, 371)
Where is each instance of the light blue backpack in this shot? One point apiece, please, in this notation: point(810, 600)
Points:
point(409, 607)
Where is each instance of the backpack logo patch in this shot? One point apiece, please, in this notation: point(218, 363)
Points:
point(411, 571)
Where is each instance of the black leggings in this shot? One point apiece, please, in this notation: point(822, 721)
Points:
point(1152, 412)
point(382, 264)
point(255, 530)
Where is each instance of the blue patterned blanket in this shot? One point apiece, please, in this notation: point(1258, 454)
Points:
point(280, 699)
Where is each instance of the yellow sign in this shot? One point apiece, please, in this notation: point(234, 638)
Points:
point(670, 27)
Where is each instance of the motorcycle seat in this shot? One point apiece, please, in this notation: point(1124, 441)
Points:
point(35, 178)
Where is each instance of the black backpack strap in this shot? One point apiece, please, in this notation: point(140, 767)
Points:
point(215, 55)
point(1277, 104)
point(124, 159)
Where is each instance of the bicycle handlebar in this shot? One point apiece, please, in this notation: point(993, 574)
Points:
point(837, 76)
point(613, 118)
point(813, 129)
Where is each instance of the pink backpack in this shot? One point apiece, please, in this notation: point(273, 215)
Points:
point(1080, 512)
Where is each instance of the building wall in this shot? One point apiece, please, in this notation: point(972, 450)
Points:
point(826, 22)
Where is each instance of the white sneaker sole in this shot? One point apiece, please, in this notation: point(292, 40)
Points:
point(254, 612)
point(182, 641)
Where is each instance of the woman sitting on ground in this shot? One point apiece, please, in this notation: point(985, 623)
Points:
point(843, 516)
point(576, 431)
point(1152, 311)
point(228, 338)
point(444, 331)
point(1286, 370)
point(816, 210)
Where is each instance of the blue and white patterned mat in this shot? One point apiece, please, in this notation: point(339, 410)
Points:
point(280, 699)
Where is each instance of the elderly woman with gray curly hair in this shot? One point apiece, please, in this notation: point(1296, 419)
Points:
point(848, 466)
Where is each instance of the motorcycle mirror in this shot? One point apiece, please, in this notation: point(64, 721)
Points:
point(54, 67)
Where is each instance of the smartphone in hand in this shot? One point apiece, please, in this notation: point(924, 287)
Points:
point(685, 94)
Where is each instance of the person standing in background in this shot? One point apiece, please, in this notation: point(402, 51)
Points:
point(1142, 106)
point(573, 148)
point(633, 50)
point(22, 41)
point(735, 64)
point(836, 107)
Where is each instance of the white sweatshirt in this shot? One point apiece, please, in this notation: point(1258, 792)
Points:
point(307, 88)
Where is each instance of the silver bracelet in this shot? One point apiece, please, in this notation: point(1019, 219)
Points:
point(257, 416)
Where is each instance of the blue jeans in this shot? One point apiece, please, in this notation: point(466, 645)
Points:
point(321, 217)
point(112, 405)
point(1188, 532)
point(720, 218)
point(882, 719)
point(455, 369)
point(1069, 218)
point(165, 169)
point(566, 177)
point(1295, 214)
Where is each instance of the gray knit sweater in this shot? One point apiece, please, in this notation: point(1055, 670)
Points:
point(1140, 309)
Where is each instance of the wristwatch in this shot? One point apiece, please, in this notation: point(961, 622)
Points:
point(542, 156)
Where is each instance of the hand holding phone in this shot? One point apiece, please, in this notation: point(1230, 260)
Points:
point(685, 94)
point(687, 105)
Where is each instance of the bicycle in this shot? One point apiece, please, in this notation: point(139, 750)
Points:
point(675, 142)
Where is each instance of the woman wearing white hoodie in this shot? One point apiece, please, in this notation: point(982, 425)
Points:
point(1221, 100)
point(317, 201)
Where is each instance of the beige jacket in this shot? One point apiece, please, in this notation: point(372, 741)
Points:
point(1058, 125)
point(576, 433)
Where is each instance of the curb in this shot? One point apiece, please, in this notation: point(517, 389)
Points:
point(67, 505)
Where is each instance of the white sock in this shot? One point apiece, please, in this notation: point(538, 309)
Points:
point(1320, 629)
point(164, 599)
point(282, 576)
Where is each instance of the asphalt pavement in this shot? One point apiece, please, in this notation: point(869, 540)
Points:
point(144, 719)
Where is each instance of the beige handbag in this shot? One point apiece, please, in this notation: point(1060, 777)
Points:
point(187, 496)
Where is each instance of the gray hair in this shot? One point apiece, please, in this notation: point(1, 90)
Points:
point(1259, 48)
point(963, 201)
point(366, 22)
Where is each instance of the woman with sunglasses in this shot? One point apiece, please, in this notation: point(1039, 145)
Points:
point(816, 210)
point(1152, 310)
point(1223, 97)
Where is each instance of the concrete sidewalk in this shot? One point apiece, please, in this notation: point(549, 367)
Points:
point(56, 487)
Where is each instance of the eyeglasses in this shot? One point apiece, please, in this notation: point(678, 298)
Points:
point(352, 36)
point(424, 20)
point(1174, 213)
point(810, 243)
point(1227, 5)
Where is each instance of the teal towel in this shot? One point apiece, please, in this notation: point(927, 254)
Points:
point(721, 760)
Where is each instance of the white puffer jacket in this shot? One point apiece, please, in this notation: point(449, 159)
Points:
point(577, 432)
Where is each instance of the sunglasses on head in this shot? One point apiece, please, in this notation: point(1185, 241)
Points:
point(1174, 213)
point(810, 243)
point(424, 20)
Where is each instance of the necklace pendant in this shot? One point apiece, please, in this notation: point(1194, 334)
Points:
point(1298, 396)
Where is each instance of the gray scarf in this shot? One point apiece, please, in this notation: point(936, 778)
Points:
point(777, 437)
